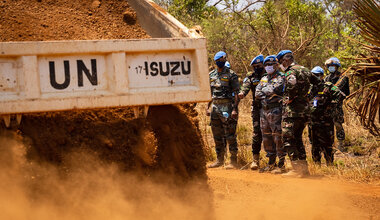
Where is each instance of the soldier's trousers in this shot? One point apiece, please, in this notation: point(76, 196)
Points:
point(256, 136)
point(223, 129)
point(322, 141)
point(338, 122)
point(292, 128)
point(270, 121)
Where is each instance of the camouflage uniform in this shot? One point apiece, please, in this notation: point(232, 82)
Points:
point(269, 92)
point(325, 101)
point(296, 109)
point(224, 86)
point(313, 91)
point(249, 84)
point(338, 114)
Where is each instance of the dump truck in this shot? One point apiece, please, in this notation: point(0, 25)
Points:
point(117, 98)
point(48, 76)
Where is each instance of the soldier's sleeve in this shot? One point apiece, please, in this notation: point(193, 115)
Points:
point(234, 82)
point(345, 86)
point(246, 87)
point(259, 94)
point(278, 87)
point(209, 81)
point(337, 95)
point(291, 84)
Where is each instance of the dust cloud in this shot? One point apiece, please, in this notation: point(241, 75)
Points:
point(88, 188)
point(157, 171)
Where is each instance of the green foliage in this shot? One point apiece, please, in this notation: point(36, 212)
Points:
point(313, 29)
point(189, 12)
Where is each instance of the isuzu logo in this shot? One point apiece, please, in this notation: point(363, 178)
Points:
point(173, 68)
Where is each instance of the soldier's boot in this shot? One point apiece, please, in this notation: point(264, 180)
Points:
point(300, 169)
point(256, 162)
point(271, 165)
point(233, 164)
point(280, 168)
point(218, 163)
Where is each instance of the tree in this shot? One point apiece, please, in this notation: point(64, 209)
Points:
point(365, 101)
point(313, 29)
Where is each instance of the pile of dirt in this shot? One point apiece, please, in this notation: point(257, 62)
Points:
point(50, 20)
point(167, 141)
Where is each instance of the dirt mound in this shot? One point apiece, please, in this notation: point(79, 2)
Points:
point(180, 145)
point(44, 20)
point(167, 141)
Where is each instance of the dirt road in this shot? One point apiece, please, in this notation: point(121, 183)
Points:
point(250, 195)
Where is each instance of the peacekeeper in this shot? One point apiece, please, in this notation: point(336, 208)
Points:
point(295, 110)
point(319, 72)
point(325, 101)
point(249, 84)
point(224, 110)
point(342, 82)
point(269, 92)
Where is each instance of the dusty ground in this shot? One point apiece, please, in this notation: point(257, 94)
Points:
point(250, 195)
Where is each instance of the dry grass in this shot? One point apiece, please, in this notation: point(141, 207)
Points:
point(360, 164)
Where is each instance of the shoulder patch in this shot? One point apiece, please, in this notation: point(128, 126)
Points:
point(288, 73)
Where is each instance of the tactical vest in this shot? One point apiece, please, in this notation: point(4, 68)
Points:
point(222, 84)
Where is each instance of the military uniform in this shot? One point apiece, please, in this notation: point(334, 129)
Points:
point(296, 109)
point(249, 84)
point(311, 94)
point(325, 101)
point(269, 92)
point(343, 86)
point(224, 86)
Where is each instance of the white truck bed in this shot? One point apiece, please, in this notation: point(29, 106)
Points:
point(65, 75)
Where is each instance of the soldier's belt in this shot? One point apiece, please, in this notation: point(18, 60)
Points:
point(221, 101)
point(271, 106)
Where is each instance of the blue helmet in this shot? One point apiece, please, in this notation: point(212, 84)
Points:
point(219, 55)
point(271, 58)
point(228, 65)
point(258, 59)
point(318, 70)
point(333, 61)
point(282, 53)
